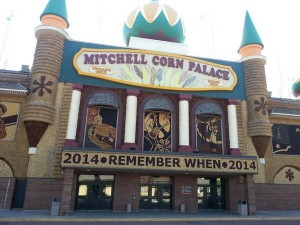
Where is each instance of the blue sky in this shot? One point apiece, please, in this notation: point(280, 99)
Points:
point(214, 30)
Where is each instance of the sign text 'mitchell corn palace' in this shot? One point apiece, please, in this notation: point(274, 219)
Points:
point(128, 58)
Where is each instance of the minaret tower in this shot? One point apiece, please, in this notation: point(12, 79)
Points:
point(259, 127)
point(39, 111)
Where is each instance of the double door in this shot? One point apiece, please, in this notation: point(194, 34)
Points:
point(155, 197)
point(94, 196)
point(211, 193)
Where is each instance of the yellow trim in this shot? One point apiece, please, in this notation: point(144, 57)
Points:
point(229, 68)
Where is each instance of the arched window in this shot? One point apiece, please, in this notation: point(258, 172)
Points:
point(208, 127)
point(102, 121)
point(157, 125)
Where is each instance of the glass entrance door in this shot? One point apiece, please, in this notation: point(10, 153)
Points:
point(155, 194)
point(99, 197)
point(95, 194)
point(155, 197)
point(211, 193)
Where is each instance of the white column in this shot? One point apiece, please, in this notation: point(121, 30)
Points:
point(73, 114)
point(130, 121)
point(184, 123)
point(232, 124)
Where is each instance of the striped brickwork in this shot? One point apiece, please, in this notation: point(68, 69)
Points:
point(259, 127)
point(65, 96)
point(45, 72)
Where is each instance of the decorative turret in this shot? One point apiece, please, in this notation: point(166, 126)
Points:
point(259, 127)
point(251, 42)
point(154, 21)
point(40, 109)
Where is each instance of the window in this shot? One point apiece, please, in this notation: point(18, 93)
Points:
point(102, 121)
point(208, 128)
point(82, 190)
point(157, 125)
point(286, 139)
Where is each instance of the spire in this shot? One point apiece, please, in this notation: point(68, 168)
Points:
point(56, 10)
point(250, 35)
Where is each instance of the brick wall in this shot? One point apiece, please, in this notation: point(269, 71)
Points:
point(7, 187)
point(277, 197)
point(126, 191)
point(68, 192)
point(250, 193)
point(190, 200)
point(234, 192)
point(40, 193)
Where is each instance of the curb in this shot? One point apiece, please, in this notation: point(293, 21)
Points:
point(77, 220)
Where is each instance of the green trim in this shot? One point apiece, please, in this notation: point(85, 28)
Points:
point(159, 24)
point(250, 35)
point(57, 8)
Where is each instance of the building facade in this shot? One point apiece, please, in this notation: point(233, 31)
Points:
point(145, 127)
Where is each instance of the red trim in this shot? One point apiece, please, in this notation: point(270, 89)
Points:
point(133, 92)
point(185, 148)
point(71, 143)
point(185, 97)
point(129, 146)
point(77, 87)
point(232, 101)
point(235, 151)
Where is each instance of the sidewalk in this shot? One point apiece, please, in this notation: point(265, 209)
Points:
point(43, 216)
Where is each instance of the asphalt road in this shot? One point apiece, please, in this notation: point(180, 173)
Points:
point(235, 222)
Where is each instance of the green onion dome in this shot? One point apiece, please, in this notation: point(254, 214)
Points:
point(296, 88)
point(154, 21)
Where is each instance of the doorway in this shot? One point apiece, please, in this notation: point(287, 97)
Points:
point(95, 192)
point(19, 194)
point(211, 193)
point(155, 193)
